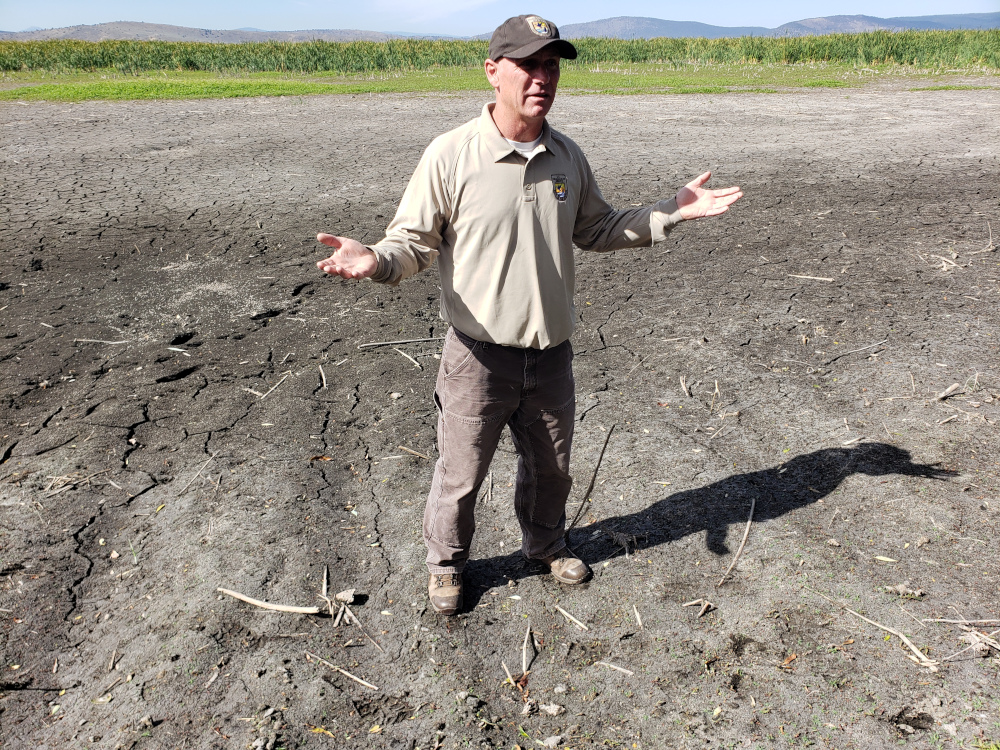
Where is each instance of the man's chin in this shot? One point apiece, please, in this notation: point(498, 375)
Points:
point(538, 106)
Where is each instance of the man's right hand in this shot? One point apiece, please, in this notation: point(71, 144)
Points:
point(351, 260)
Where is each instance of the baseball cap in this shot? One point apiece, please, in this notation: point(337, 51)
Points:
point(523, 36)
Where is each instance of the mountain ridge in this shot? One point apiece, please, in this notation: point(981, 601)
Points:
point(620, 27)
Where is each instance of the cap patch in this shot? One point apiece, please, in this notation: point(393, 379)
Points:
point(539, 26)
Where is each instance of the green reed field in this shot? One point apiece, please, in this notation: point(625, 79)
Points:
point(74, 70)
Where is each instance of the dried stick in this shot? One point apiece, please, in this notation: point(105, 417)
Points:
point(404, 341)
point(412, 452)
point(968, 622)
point(616, 667)
point(362, 627)
point(684, 387)
point(746, 533)
point(408, 357)
point(717, 393)
point(98, 341)
point(855, 351)
point(590, 487)
point(198, 474)
point(524, 651)
point(268, 605)
point(638, 619)
point(572, 619)
point(811, 278)
point(323, 595)
point(275, 386)
point(322, 376)
point(510, 678)
point(321, 660)
point(947, 392)
point(921, 658)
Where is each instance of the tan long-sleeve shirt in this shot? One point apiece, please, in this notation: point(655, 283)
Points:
point(503, 228)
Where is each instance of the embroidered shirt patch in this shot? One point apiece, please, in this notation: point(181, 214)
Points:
point(559, 187)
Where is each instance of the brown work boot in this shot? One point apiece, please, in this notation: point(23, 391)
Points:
point(566, 567)
point(445, 592)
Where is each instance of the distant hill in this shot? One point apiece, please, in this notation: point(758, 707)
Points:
point(165, 33)
point(621, 27)
point(632, 27)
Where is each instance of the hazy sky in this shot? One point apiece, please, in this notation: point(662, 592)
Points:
point(448, 17)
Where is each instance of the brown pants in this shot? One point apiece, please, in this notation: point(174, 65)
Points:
point(480, 388)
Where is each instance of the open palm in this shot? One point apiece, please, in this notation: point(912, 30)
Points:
point(694, 202)
point(350, 260)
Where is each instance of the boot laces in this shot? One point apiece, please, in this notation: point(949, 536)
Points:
point(447, 579)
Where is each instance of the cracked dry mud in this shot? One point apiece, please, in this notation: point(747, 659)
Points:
point(139, 476)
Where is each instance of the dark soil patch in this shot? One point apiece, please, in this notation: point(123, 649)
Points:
point(159, 279)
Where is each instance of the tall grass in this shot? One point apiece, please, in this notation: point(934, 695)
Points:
point(933, 49)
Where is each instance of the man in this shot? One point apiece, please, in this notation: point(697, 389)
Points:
point(499, 202)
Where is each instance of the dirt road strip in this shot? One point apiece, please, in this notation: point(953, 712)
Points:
point(158, 279)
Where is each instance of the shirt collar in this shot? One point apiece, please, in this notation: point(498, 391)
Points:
point(495, 142)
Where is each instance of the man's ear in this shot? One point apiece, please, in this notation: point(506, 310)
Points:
point(490, 66)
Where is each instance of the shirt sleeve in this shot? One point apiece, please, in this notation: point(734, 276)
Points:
point(600, 227)
point(414, 235)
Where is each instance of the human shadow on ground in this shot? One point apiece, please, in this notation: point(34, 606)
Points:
point(781, 489)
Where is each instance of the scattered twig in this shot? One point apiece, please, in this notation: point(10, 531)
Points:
point(950, 390)
point(268, 605)
point(570, 617)
point(746, 533)
point(854, 440)
point(114, 658)
point(978, 645)
point(706, 607)
point(615, 667)
point(417, 364)
point(340, 614)
point(198, 474)
point(524, 650)
point(919, 655)
point(321, 660)
point(70, 483)
point(638, 619)
point(989, 248)
point(323, 595)
point(510, 677)
point(684, 387)
point(413, 452)
point(717, 393)
point(590, 487)
point(967, 622)
point(287, 374)
point(98, 341)
point(322, 376)
point(855, 351)
point(404, 341)
point(357, 622)
point(811, 278)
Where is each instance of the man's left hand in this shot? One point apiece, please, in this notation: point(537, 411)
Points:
point(694, 202)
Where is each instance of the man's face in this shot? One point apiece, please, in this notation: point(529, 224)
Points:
point(525, 87)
